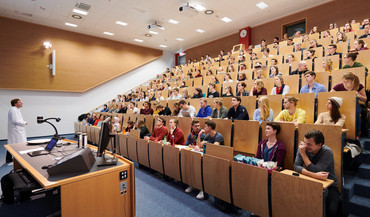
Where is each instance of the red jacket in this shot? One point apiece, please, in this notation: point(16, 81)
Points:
point(158, 134)
point(178, 137)
point(148, 111)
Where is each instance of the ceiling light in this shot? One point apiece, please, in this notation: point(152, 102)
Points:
point(80, 11)
point(153, 32)
point(70, 24)
point(108, 33)
point(199, 7)
point(179, 39)
point(76, 16)
point(138, 40)
point(148, 35)
point(209, 12)
point(226, 19)
point(173, 21)
point(121, 23)
point(262, 5)
point(162, 45)
point(200, 30)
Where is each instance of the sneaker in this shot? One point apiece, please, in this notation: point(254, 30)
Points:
point(188, 189)
point(200, 196)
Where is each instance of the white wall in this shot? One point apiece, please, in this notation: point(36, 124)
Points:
point(68, 106)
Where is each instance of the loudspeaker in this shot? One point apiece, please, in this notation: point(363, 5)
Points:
point(80, 161)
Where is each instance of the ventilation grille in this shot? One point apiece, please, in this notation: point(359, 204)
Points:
point(82, 6)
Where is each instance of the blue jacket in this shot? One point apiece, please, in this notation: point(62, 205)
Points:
point(203, 113)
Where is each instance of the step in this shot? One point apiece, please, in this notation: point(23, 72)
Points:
point(347, 191)
point(365, 158)
point(362, 187)
point(359, 206)
point(351, 215)
point(364, 171)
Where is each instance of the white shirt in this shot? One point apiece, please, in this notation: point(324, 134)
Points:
point(16, 126)
point(285, 90)
point(178, 96)
point(191, 111)
point(230, 81)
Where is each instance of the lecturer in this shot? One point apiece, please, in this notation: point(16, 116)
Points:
point(16, 125)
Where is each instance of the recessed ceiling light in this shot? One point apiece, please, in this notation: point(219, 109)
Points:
point(108, 33)
point(200, 30)
point(76, 16)
point(173, 21)
point(80, 11)
point(121, 23)
point(138, 40)
point(162, 45)
point(226, 19)
point(70, 24)
point(209, 12)
point(262, 5)
point(199, 7)
point(148, 35)
point(153, 32)
point(179, 39)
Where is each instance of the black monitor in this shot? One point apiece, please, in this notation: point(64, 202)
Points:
point(104, 139)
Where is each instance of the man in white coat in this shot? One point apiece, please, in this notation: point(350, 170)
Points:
point(16, 125)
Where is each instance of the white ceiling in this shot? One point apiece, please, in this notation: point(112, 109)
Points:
point(140, 13)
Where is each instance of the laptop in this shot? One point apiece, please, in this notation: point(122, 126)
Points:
point(47, 149)
point(185, 114)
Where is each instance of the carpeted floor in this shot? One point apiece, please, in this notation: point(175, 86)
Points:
point(154, 197)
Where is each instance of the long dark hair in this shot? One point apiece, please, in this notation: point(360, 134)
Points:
point(176, 111)
point(334, 113)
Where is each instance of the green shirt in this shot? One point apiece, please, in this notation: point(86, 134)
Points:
point(355, 65)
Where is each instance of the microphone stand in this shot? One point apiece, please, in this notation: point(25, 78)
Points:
point(56, 135)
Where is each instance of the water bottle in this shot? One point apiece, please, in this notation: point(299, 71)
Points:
point(165, 140)
point(335, 25)
point(204, 147)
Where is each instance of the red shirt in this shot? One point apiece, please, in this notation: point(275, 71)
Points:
point(178, 137)
point(148, 111)
point(96, 122)
point(158, 134)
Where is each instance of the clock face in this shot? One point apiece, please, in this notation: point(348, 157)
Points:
point(243, 33)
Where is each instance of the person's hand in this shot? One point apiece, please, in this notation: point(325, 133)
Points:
point(295, 122)
point(26, 123)
point(201, 132)
point(302, 148)
point(196, 148)
point(322, 175)
point(147, 138)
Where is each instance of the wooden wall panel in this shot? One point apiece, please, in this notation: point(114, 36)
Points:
point(82, 61)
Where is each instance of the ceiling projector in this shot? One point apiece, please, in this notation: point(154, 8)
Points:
point(155, 25)
point(188, 10)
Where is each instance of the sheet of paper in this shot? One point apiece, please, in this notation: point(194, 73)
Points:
point(31, 150)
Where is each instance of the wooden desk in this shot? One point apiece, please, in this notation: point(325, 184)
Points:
point(96, 193)
point(325, 183)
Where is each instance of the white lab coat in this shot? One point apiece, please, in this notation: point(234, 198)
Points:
point(16, 126)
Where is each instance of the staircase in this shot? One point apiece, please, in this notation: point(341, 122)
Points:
point(356, 191)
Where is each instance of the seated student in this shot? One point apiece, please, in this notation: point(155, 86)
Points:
point(228, 92)
point(358, 45)
point(150, 97)
point(214, 80)
point(314, 44)
point(163, 110)
point(170, 95)
point(273, 62)
point(93, 119)
point(97, 119)
point(100, 120)
point(280, 87)
point(237, 111)
point(272, 149)
point(212, 91)
point(176, 94)
point(241, 89)
point(364, 23)
point(258, 88)
point(298, 47)
point(291, 113)
point(302, 68)
point(89, 119)
point(116, 124)
point(341, 37)
point(185, 94)
point(228, 78)
point(159, 130)
point(113, 109)
point(264, 112)
point(274, 71)
point(209, 72)
point(219, 110)
point(123, 108)
point(175, 109)
point(349, 61)
point(186, 110)
point(333, 115)
point(198, 93)
point(105, 108)
point(266, 53)
point(312, 86)
point(332, 50)
point(211, 137)
point(290, 59)
point(175, 136)
point(242, 76)
point(205, 110)
point(242, 67)
point(327, 65)
point(352, 83)
point(147, 110)
point(199, 74)
point(310, 55)
point(347, 28)
point(367, 32)
point(230, 68)
point(133, 108)
point(183, 84)
point(159, 95)
point(130, 125)
point(316, 160)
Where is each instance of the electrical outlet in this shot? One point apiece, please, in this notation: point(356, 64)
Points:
point(123, 187)
point(123, 175)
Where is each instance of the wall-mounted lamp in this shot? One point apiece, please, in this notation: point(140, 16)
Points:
point(51, 66)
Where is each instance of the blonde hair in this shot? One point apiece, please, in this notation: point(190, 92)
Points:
point(352, 77)
point(218, 101)
point(329, 63)
point(260, 84)
point(265, 107)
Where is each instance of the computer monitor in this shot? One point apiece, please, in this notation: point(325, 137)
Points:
point(104, 139)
